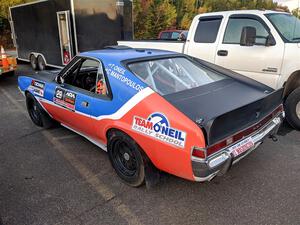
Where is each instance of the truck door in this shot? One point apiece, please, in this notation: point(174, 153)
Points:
point(203, 43)
point(260, 62)
point(63, 19)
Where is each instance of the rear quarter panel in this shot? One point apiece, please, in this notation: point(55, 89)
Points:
point(165, 156)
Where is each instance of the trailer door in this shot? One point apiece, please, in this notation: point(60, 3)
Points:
point(63, 19)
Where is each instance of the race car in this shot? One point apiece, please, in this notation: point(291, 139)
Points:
point(154, 111)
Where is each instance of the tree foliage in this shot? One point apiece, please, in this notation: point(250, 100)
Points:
point(296, 12)
point(5, 4)
point(153, 16)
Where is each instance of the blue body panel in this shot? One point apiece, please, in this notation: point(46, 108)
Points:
point(124, 85)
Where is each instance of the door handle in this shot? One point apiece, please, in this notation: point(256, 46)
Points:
point(222, 53)
point(85, 104)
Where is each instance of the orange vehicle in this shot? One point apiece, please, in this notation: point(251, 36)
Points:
point(8, 64)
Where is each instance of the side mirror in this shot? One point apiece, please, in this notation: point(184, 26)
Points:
point(182, 37)
point(248, 36)
point(59, 79)
point(270, 41)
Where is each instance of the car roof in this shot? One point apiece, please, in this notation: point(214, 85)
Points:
point(254, 11)
point(122, 53)
point(172, 30)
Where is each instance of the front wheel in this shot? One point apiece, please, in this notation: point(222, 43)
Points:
point(126, 158)
point(292, 108)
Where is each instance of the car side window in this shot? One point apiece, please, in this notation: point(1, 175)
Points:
point(175, 35)
point(234, 31)
point(207, 30)
point(87, 74)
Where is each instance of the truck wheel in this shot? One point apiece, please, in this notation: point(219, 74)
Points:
point(37, 114)
point(292, 108)
point(126, 158)
point(33, 62)
point(41, 63)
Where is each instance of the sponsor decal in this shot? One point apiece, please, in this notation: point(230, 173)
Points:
point(37, 87)
point(65, 98)
point(158, 126)
point(119, 73)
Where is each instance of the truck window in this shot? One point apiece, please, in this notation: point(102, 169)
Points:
point(207, 30)
point(287, 25)
point(234, 31)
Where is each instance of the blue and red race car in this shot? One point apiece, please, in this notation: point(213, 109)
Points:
point(156, 111)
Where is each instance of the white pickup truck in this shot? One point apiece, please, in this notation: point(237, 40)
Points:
point(263, 45)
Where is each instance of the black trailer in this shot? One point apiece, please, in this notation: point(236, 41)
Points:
point(51, 32)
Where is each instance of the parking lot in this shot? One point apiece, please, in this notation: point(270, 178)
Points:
point(57, 177)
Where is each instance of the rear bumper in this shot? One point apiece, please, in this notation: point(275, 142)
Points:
point(220, 162)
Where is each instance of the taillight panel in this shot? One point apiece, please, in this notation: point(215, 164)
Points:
point(236, 137)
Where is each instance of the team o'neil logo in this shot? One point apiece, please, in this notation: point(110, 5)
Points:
point(158, 126)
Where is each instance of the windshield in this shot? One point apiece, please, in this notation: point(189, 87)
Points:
point(287, 25)
point(167, 76)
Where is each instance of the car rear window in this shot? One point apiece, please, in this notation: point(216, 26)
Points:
point(172, 75)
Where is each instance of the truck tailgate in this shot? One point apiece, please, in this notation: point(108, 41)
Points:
point(174, 46)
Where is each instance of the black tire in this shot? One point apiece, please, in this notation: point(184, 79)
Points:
point(41, 63)
point(292, 108)
point(37, 114)
point(126, 158)
point(33, 62)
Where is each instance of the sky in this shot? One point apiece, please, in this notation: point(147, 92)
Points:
point(292, 4)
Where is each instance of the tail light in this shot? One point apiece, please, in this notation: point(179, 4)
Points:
point(199, 152)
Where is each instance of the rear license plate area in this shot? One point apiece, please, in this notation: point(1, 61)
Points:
point(241, 147)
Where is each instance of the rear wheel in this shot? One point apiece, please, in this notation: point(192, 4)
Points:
point(37, 114)
point(292, 108)
point(41, 63)
point(33, 62)
point(126, 158)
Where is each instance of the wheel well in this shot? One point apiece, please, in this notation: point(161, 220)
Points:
point(292, 83)
point(111, 130)
point(152, 174)
point(109, 133)
point(31, 55)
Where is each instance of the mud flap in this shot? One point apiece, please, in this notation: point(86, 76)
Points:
point(152, 175)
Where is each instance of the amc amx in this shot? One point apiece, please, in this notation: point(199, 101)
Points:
point(155, 111)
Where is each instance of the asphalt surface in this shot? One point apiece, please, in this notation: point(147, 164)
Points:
point(57, 177)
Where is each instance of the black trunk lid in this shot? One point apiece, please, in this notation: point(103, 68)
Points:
point(225, 107)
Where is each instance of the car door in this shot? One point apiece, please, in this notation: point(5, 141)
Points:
point(260, 62)
point(73, 98)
